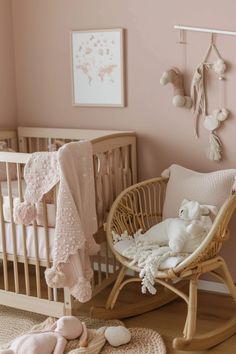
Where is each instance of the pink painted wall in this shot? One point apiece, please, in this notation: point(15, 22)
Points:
point(165, 133)
point(7, 69)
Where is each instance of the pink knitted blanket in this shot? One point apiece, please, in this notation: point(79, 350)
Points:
point(76, 221)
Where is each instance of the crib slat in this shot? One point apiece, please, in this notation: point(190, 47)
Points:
point(46, 235)
point(107, 259)
point(30, 145)
point(99, 268)
point(93, 280)
point(133, 162)
point(106, 202)
point(127, 178)
point(15, 264)
point(98, 189)
point(4, 248)
point(105, 188)
point(37, 263)
point(110, 175)
point(26, 266)
point(117, 170)
point(37, 144)
point(22, 144)
point(113, 170)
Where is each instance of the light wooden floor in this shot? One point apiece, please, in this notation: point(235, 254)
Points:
point(169, 320)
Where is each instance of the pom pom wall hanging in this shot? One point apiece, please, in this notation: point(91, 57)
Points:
point(212, 121)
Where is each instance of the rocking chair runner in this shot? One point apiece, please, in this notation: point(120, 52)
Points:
point(140, 206)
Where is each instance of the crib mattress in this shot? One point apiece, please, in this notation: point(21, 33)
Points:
point(14, 187)
point(51, 208)
point(30, 245)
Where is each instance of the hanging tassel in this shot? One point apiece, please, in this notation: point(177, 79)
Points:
point(215, 147)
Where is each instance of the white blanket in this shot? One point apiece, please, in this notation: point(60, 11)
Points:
point(149, 257)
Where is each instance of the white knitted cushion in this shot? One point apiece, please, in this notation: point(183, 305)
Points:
point(207, 188)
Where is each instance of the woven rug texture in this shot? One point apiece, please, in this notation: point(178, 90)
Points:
point(14, 322)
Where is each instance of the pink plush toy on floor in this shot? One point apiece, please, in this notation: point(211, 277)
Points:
point(50, 342)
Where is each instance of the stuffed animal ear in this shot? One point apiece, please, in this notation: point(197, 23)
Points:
point(207, 209)
point(185, 201)
point(204, 210)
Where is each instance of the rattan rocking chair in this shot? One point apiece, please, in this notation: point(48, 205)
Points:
point(140, 206)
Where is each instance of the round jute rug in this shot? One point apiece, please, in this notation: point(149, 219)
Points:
point(143, 341)
point(14, 322)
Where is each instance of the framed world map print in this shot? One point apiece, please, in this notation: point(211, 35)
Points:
point(97, 68)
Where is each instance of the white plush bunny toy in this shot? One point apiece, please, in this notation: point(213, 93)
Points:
point(183, 234)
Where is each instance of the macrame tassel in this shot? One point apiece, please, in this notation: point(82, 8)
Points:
point(215, 147)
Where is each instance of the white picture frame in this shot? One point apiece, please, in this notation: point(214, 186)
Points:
point(98, 67)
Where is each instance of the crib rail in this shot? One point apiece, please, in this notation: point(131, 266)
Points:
point(114, 154)
point(10, 138)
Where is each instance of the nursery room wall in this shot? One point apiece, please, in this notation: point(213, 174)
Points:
point(165, 133)
point(7, 69)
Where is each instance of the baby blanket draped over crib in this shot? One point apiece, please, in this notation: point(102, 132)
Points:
point(76, 221)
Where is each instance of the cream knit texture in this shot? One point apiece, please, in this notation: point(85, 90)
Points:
point(206, 188)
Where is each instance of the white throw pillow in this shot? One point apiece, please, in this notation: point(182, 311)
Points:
point(207, 188)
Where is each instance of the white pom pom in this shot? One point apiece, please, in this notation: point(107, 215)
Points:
point(211, 122)
point(117, 336)
point(219, 66)
point(54, 278)
point(223, 114)
point(178, 101)
point(24, 213)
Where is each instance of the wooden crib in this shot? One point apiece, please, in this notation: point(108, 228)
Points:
point(25, 251)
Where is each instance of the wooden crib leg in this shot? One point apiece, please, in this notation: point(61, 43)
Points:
point(115, 287)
